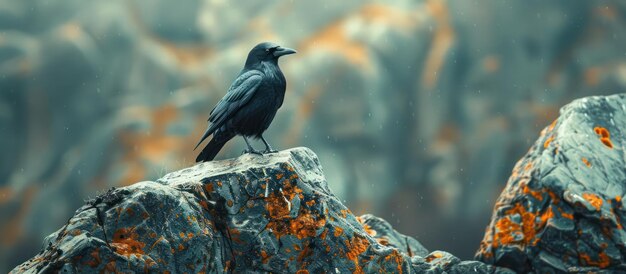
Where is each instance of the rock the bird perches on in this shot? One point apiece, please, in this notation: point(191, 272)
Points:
point(272, 213)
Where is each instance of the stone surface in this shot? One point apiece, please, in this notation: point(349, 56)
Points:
point(436, 98)
point(562, 208)
point(272, 213)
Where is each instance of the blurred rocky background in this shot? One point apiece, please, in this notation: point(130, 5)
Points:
point(418, 110)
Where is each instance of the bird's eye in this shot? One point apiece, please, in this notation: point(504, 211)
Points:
point(271, 50)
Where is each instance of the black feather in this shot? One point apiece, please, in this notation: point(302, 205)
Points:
point(211, 149)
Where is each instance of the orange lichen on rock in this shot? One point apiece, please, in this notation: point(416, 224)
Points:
point(290, 190)
point(235, 235)
point(548, 141)
point(265, 257)
point(397, 258)
point(306, 252)
point(535, 193)
point(204, 205)
point(432, 256)
point(302, 271)
point(587, 163)
point(382, 241)
point(504, 234)
point(277, 207)
point(338, 231)
point(324, 233)
point(566, 215)
point(607, 142)
point(603, 132)
point(303, 226)
point(605, 137)
point(507, 229)
point(602, 262)
point(368, 229)
point(125, 242)
point(95, 254)
point(354, 248)
point(528, 166)
point(553, 196)
point(593, 199)
point(551, 127)
point(310, 203)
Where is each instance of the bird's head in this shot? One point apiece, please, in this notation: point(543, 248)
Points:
point(267, 52)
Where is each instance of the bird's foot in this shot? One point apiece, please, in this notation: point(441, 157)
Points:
point(270, 150)
point(251, 151)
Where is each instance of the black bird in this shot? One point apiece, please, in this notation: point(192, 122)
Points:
point(251, 102)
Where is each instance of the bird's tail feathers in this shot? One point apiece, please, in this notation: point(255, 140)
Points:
point(211, 149)
point(208, 132)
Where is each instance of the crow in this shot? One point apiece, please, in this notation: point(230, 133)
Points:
point(250, 104)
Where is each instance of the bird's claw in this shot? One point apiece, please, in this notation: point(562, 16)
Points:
point(270, 151)
point(252, 151)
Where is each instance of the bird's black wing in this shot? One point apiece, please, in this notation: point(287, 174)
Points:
point(239, 93)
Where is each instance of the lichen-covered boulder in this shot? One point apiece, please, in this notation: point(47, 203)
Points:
point(272, 213)
point(562, 207)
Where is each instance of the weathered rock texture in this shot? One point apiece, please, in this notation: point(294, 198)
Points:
point(562, 208)
point(272, 213)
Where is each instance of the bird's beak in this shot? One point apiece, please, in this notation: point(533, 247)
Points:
point(280, 51)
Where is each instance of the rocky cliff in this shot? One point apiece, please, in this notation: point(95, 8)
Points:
point(272, 213)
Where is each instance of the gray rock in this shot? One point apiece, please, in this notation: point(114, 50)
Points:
point(562, 207)
point(272, 213)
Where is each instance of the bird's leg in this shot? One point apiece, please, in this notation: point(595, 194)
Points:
point(250, 148)
point(268, 148)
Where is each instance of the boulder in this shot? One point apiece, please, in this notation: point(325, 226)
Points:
point(562, 207)
point(271, 213)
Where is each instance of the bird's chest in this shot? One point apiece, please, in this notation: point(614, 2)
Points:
point(273, 76)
